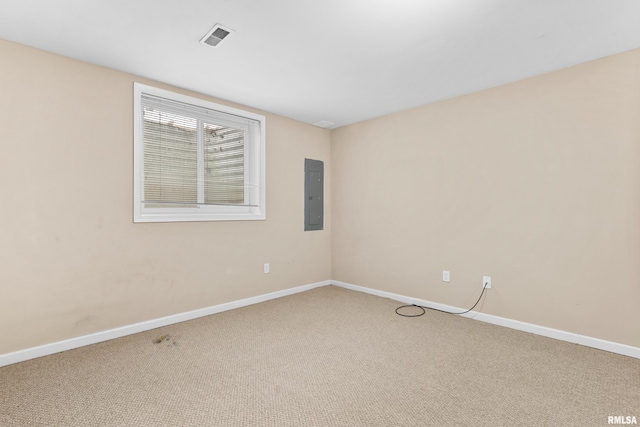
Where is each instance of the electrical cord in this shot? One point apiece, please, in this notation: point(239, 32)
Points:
point(484, 288)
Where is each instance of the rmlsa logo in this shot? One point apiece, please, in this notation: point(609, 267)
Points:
point(621, 419)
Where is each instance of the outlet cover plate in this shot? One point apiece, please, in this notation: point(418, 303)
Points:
point(486, 280)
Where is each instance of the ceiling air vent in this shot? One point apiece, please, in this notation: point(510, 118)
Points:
point(323, 124)
point(215, 35)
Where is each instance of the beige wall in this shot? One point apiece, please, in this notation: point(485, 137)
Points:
point(535, 183)
point(71, 260)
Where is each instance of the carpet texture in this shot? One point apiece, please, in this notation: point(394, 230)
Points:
point(326, 357)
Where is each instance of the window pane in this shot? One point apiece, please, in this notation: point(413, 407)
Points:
point(224, 165)
point(170, 159)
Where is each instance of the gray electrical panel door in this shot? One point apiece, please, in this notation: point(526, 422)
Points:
point(313, 194)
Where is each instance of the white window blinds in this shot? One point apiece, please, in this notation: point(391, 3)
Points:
point(198, 159)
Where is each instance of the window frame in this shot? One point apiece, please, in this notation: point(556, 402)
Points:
point(204, 212)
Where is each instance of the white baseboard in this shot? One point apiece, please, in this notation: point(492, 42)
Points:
point(571, 337)
point(56, 347)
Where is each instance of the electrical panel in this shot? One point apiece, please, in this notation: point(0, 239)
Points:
point(313, 194)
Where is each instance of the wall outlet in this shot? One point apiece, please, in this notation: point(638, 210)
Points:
point(486, 282)
point(446, 276)
point(266, 268)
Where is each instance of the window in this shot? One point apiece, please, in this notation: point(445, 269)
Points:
point(195, 160)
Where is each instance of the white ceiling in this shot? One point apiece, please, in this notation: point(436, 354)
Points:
point(341, 61)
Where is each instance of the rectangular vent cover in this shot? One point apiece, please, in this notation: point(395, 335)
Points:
point(324, 124)
point(216, 35)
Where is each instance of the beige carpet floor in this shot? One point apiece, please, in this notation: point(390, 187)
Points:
point(326, 357)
